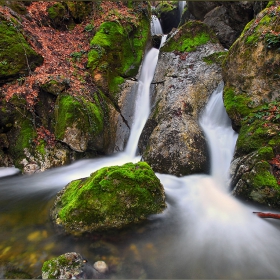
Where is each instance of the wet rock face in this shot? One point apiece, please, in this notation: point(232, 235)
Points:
point(172, 141)
point(111, 198)
point(253, 180)
point(169, 15)
point(251, 74)
point(226, 18)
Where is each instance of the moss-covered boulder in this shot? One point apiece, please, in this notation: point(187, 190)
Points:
point(251, 70)
point(16, 57)
point(251, 97)
point(187, 73)
point(117, 49)
point(80, 122)
point(111, 198)
point(188, 37)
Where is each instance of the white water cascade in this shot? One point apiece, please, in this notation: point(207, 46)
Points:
point(221, 137)
point(181, 5)
point(155, 26)
point(203, 233)
point(142, 104)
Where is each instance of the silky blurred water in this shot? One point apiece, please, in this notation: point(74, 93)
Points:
point(203, 233)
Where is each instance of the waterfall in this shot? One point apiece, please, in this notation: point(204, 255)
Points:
point(203, 233)
point(155, 26)
point(142, 103)
point(220, 136)
point(181, 5)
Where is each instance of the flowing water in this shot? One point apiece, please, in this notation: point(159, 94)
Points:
point(203, 233)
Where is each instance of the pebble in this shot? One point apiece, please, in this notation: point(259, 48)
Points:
point(101, 266)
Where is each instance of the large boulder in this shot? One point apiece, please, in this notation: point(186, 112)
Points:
point(172, 141)
point(117, 50)
point(111, 198)
point(251, 73)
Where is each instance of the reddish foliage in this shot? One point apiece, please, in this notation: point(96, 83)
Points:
point(275, 163)
point(46, 135)
point(56, 47)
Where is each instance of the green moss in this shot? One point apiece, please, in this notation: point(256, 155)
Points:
point(24, 139)
point(41, 148)
point(117, 61)
point(236, 105)
point(71, 111)
point(51, 267)
point(265, 153)
point(263, 177)
point(14, 51)
point(189, 36)
point(217, 57)
point(112, 197)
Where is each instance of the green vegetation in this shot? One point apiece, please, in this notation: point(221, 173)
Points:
point(87, 116)
point(189, 36)
point(15, 52)
point(116, 52)
point(236, 105)
point(111, 197)
point(54, 268)
point(217, 57)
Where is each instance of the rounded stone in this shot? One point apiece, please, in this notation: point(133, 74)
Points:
point(101, 266)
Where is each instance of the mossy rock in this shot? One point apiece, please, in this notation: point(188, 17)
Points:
point(188, 37)
point(254, 179)
point(56, 85)
point(66, 266)
point(251, 68)
point(117, 50)
point(257, 172)
point(79, 10)
point(60, 17)
point(169, 14)
point(111, 198)
point(15, 52)
point(22, 131)
point(76, 115)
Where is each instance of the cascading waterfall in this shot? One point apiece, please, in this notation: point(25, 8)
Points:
point(221, 137)
point(181, 5)
point(155, 26)
point(204, 232)
point(142, 104)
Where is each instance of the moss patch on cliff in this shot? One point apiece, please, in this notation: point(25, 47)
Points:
point(189, 36)
point(111, 197)
point(15, 52)
point(116, 51)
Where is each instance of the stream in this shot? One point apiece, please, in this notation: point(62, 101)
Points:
point(203, 233)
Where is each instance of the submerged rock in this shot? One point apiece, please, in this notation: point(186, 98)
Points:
point(172, 141)
point(69, 266)
point(111, 198)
